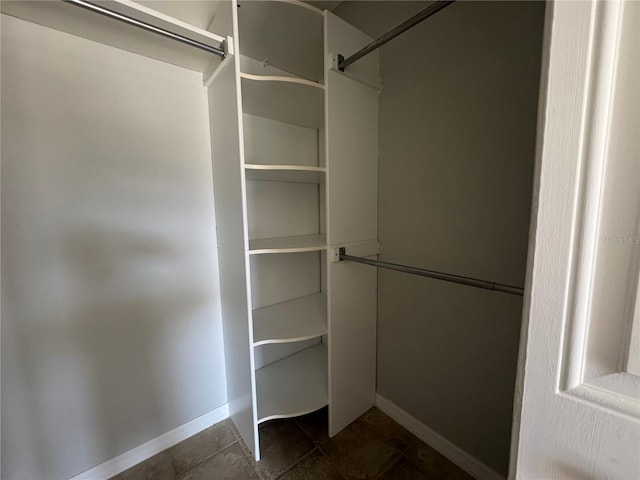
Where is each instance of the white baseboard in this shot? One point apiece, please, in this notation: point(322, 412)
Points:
point(147, 450)
point(464, 460)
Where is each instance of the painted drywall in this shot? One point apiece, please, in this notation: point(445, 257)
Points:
point(111, 330)
point(457, 137)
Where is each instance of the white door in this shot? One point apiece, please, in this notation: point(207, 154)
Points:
point(577, 410)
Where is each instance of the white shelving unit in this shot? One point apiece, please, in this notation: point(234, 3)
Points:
point(293, 386)
point(301, 243)
point(285, 173)
point(283, 113)
point(285, 99)
point(288, 33)
point(299, 319)
point(288, 170)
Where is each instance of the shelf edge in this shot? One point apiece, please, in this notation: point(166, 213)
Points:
point(283, 79)
point(292, 168)
point(263, 251)
point(289, 340)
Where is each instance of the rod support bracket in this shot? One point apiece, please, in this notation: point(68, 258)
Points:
point(228, 47)
point(335, 254)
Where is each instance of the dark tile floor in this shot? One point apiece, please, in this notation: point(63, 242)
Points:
point(372, 447)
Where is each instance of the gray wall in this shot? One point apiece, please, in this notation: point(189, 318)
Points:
point(457, 131)
point(111, 331)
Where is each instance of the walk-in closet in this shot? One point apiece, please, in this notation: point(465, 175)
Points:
point(213, 209)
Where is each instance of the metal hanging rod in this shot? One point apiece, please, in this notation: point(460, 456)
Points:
point(447, 277)
point(423, 15)
point(220, 51)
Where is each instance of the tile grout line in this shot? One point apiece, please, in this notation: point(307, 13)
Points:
point(295, 421)
point(394, 460)
point(250, 458)
point(319, 442)
point(183, 472)
point(335, 467)
point(315, 447)
point(399, 452)
point(318, 446)
point(300, 460)
point(403, 455)
point(418, 466)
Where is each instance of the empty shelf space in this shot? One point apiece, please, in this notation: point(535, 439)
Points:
point(269, 142)
point(285, 173)
point(285, 99)
point(293, 386)
point(301, 243)
point(288, 33)
point(293, 321)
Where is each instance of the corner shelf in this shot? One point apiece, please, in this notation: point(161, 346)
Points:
point(295, 385)
point(285, 173)
point(293, 321)
point(301, 243)
point(288, 33)
point(285, 99)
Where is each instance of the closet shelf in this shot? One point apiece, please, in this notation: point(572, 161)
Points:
point(288, 33)
point(281, 78)
point(302, 243)
point(98, 28)
point(295, 385)
point(285, 99)
point(293, 321)
point(285, 173)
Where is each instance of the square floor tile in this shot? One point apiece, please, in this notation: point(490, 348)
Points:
point(384, 426)
point(158, 467)
point(282, 444)
point(403, 469)
point(315, 425)
point(199, 447)
point(358, 453)
point(434, 464)
point(315, 466)
point(228, 464)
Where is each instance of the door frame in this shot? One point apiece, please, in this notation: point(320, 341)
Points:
point(562, 393)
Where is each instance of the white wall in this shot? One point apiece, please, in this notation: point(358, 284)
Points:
point(457, 134)
point(111, 331)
